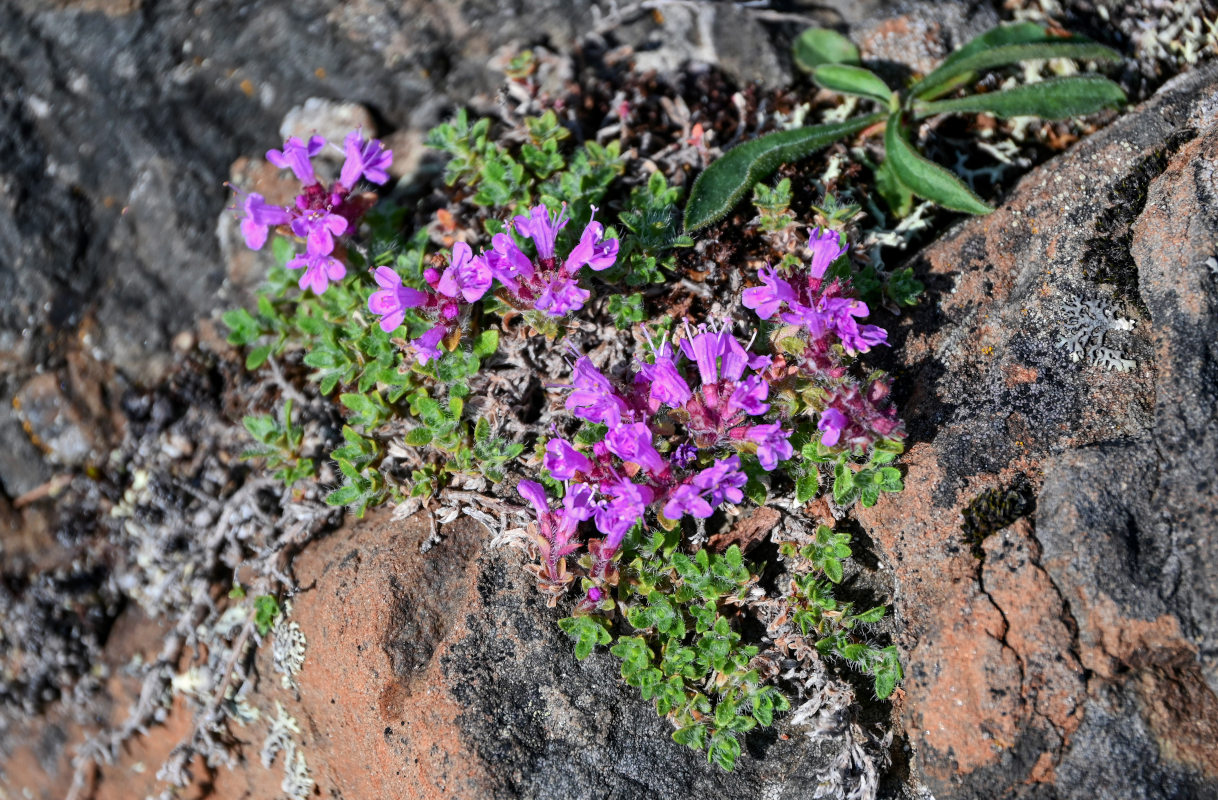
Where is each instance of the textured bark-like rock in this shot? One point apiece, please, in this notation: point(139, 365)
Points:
point(1074, 650)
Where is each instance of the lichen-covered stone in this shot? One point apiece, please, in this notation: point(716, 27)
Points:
point(1027, 644)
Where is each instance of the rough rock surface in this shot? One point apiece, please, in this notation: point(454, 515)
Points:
point(439, 674)
point(1055, 549)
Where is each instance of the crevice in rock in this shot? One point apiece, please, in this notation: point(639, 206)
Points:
point(1107, 257)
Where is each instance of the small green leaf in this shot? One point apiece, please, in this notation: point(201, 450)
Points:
point(817, 46)
point(1056, 98)
point(723, 751)
point(693, 736)
point(282, 249)
point(723, 183)
point(266, 608)
point(833, 569)
point(487, 343)
point(849, 79)
point(257, 357)
point(806, 486)
point(872, 614)
point(926, 178)
point(344, 496)
point(418, 437)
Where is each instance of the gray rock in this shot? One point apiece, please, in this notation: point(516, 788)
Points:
point(1077, 659)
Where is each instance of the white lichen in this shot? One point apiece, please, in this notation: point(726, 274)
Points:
point(1087, 324)
point(279, 738)
point(287, 649)
point(297, 782)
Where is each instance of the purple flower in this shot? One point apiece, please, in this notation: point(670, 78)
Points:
point(320, 227)
point(685, 455)
point(592, 397)
point(723, 480)
point(564, 461)
point(591, 250)
point(259, 217)
point(772, 444)
point(621, 513)
point(507, 262)
point(766, 299)
point(595, 595)
point(426, 347)
point(707, 347)
point(369, 159)
point(295, 156)
point(750, 396)
point(577, 504)
point(667, 385)
point(320, 269)
point(562, 296)
point(467, 275)
point(393, 299)
point(826, 248)
point(632, 443)
point(535, 494)
point(685, 499)
point(542, 228)
point(704, 348)
point(832, 422)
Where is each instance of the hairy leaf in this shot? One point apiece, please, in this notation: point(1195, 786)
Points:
point(723, 183)
point(926, 178)
point(1008, 45)
point(1057, 98)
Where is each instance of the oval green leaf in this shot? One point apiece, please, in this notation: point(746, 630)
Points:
point(849, 79)
point(926, 178)
point(723, 183)
point(817, 46)
point(1057, 98)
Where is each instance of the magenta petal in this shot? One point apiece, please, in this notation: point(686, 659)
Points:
point(390, 322)
point(387, 277)
point(255, 234)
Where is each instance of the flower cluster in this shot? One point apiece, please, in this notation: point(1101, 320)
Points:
point(546, 283)
point(853, 414)
point(319, 214)
point(672, 444)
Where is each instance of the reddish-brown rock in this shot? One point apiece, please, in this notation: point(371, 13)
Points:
point(1061, 649)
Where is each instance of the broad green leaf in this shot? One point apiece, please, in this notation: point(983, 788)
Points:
point(723, 183)
point(1024, 47)
point(817, 46)
point(833, 569)
point(1057, 98)
point(926, 178)
point(849, 79)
